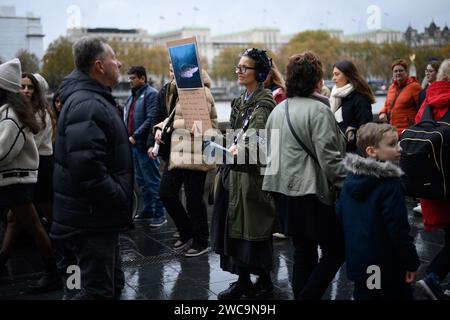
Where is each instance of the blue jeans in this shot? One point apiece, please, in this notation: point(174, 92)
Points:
point(149, 179)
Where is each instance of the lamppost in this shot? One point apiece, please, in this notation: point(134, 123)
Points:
point(412, 68)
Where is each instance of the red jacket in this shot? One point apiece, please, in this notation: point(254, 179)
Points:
point(402, 114)
point(436, 213)
point(278, 95)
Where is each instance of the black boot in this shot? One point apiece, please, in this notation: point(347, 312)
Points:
point(236, 289)
point(263, 289)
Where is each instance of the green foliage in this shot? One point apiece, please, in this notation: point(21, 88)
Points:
point(224, 64)
point(29, 61)
point(328, 49)
point(155, 60)
point(58, 62)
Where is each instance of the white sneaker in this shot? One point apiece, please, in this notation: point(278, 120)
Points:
point(447, 293)
point(279, 235)
point(417, 209)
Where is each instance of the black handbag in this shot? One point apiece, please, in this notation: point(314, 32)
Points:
point(166, 134)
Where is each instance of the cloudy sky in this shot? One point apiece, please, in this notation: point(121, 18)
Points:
point(226, 16)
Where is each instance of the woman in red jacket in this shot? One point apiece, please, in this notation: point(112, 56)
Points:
point(436, 213)
point(402, 99)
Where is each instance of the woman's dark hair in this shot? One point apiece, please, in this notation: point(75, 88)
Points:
point(40, 105)
point(303, 73)
point(22, 109)
point(56, 95)
point(435, 64)
point(354, 77)
point(139, 71)
point(274, 79)
point(400, 62)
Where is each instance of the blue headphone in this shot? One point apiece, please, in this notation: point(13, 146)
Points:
point(263, 63)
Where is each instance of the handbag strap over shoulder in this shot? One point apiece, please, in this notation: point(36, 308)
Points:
point(291, 128)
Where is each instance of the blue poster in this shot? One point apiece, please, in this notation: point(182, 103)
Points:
point(186, 67)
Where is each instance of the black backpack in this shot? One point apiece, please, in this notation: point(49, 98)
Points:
point(426, 157)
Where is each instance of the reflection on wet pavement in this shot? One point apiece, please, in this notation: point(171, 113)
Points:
point(154, 271)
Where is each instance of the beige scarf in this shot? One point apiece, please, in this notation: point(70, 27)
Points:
point(336, 100)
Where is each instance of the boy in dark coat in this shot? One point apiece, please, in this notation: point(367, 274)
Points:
point(381, 257)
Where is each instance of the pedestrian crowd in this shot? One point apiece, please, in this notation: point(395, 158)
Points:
point(326, 174)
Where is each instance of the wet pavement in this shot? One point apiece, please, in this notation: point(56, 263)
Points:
point(154, 271)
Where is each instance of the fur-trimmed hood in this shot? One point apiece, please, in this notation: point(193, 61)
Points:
point(370, 167)
point(366, 173)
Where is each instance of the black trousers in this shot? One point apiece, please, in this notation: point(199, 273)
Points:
point(441, 263)
point(192, 222)
point(98, 257)
point(312, 224)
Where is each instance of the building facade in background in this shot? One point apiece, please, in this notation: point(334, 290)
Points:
point(432, 36)
point(379, 36)
point(129, 36)
point(19, 33)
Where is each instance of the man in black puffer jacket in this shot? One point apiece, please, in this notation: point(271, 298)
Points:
point(93, 175)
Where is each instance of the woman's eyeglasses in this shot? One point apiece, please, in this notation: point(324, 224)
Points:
point(243, 69)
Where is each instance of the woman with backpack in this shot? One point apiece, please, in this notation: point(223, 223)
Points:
point(436, 213)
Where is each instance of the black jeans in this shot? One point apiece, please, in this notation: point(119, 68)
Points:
point(441, 263)
point(313, 224)
point(194, 222)
point(98, 257)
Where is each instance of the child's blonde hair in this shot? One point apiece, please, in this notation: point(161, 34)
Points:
point(371, 134)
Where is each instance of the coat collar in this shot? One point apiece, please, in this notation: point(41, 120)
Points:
point(371, 167)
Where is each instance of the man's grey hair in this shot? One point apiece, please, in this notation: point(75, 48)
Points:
point(444, 71)
point(86, 51)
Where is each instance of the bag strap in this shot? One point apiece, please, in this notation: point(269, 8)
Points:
point(247, 120)
point(172, 109)
point(393, 103)
point(428, 115)
point(309, 152)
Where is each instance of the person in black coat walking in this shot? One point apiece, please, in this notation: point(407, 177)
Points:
point(351, 101)
point(93, 176)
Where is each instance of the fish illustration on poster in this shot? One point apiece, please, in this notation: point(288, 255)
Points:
point(191, 91)
point(186, 66)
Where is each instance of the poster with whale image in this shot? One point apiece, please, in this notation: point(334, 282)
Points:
point(191, 91)
point(185, 62)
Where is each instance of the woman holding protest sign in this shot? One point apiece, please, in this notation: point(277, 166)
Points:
point(244, 218)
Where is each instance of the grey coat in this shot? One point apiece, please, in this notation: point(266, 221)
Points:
point(291, 170)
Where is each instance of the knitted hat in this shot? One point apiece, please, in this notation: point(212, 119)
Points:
point(42, 83)
point(11, 76)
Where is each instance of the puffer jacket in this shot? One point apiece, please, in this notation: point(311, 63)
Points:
point(19, 159)
point(375, 220)
point(183, 139)
point(143, 108)
point(93, 175)
point(402, 113)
